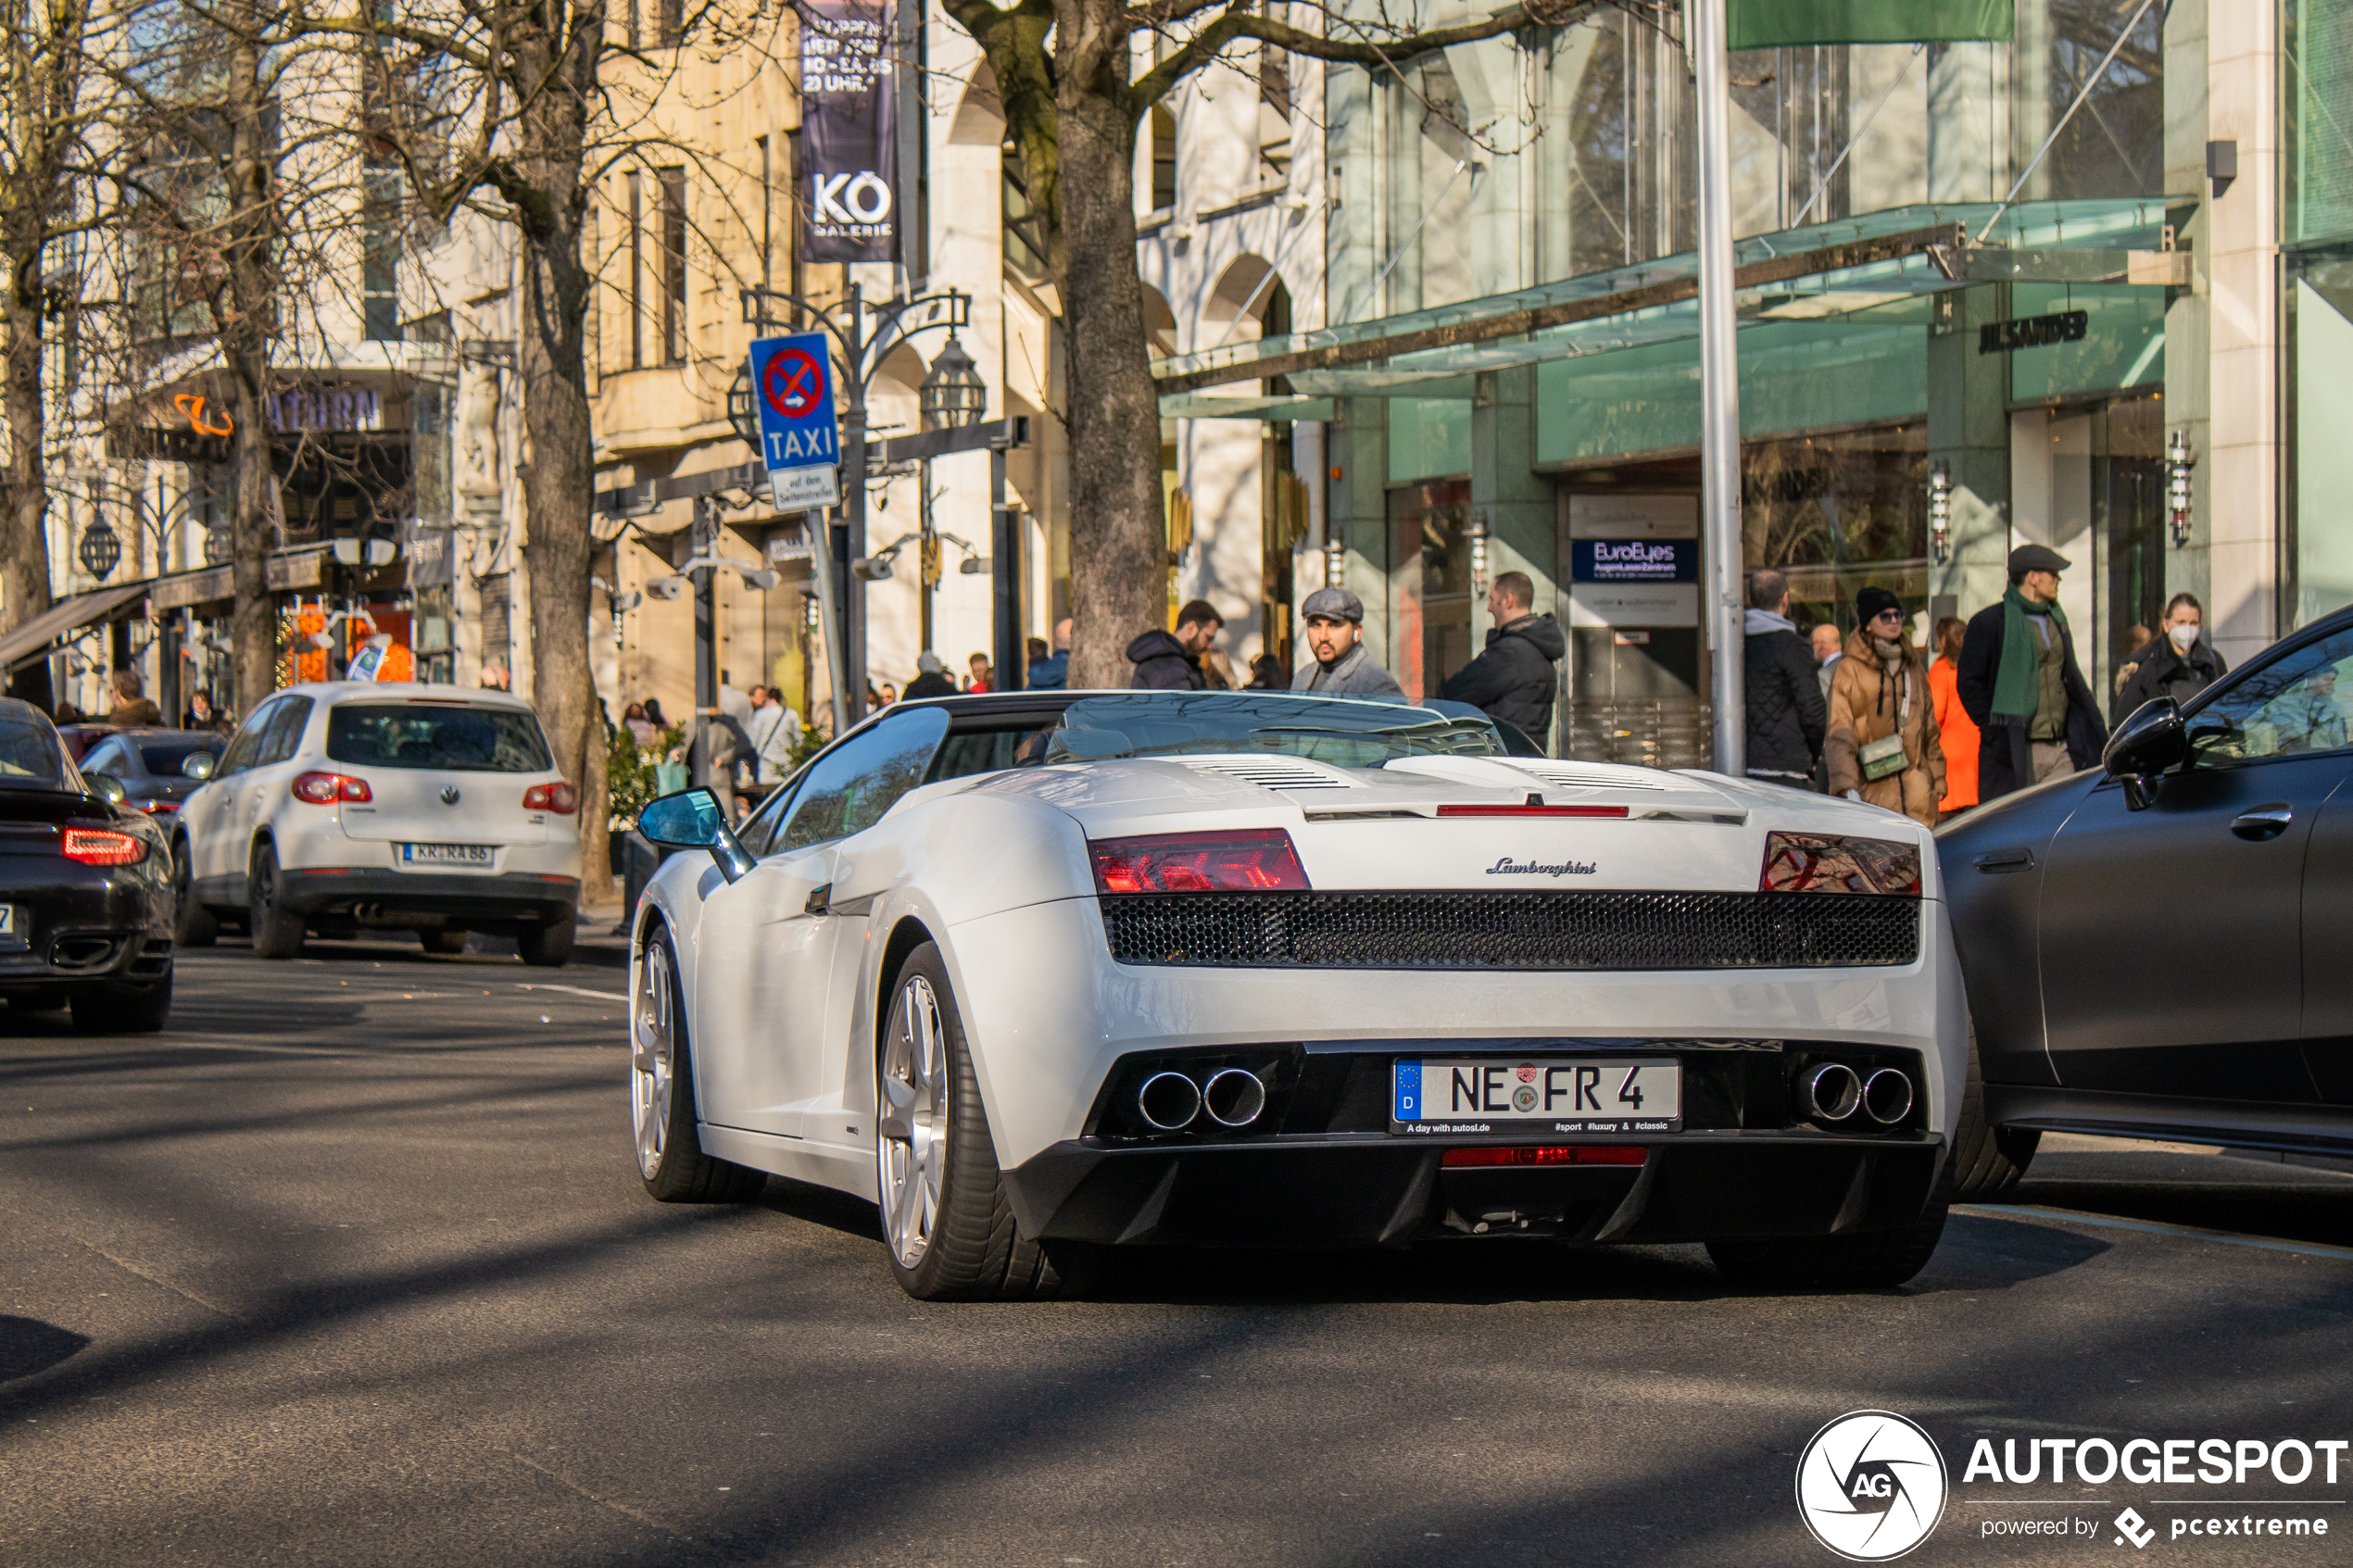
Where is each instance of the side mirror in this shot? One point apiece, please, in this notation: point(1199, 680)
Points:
point(198, 765)
point(692, 819)
point(108, 786)
point(2149, 742)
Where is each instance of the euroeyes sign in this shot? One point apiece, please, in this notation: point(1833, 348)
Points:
point(1633, 560)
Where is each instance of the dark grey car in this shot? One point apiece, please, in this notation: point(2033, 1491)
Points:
point(2157, 949)
point(150, 763)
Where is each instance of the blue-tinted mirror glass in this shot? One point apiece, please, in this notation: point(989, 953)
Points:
point(690, 818)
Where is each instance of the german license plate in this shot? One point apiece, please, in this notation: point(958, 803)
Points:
point(439, 855)
point(1537, 1095)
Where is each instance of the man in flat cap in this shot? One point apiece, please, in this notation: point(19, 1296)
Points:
point(1334, 620)
point(2018, 679)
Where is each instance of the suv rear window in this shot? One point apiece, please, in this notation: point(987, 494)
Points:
point(461, 740)
point(30, 756)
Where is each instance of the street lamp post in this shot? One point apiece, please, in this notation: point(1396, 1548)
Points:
point(952, 395)
point(1719, 439)
point(863, 332)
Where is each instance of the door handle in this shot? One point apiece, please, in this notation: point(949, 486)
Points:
point(2021, 860)
point(2264, 822)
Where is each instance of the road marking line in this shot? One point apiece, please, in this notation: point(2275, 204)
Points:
point(580, 991)
point(2188, 1233)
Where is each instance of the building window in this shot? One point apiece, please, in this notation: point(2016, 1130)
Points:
point(636, 272)
point(1164, 131)
point(671, 23)
point(1274, 115)
point(674, 266)
point(380, 258)
point(1024, 240)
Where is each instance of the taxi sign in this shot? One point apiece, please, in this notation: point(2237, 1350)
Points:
point(792, 387)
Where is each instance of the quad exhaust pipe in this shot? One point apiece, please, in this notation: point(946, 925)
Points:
point(1170, 1101)
point(1830, 1092)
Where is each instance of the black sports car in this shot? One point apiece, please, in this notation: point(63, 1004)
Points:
point(151, 765)
point(2155, 949)
point(85, 888)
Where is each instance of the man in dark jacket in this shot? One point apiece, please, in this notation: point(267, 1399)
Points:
point(2019, 681)
point(2178, 662)
point(931, 678)
point(1786, 715)
point(1514, 680)
point(1167, 661)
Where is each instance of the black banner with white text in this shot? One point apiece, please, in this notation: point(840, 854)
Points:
point(849, 141)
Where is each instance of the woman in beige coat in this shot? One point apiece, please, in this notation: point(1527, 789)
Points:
point(1880, 689)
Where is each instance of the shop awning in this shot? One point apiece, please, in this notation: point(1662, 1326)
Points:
point(1826, 269)
point(31, 640)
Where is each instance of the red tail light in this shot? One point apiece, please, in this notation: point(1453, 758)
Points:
point(325, 789)
point(101, 846)
point(559, 798)
point(1809, 862)
point(1556, 1154)
point(1243, 861)
point(152, 806)
point(1531, 810)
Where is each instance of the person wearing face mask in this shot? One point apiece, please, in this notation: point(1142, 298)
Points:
point(1882, 747)
point(2178, 663)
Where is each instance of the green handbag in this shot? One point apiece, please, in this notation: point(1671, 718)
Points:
point(1883, 758)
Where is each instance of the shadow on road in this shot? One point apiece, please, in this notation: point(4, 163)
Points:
point(27, 1345)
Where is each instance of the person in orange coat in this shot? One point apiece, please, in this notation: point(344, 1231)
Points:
point(1953, 725)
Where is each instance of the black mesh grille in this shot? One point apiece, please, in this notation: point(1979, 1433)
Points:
point(1606, 931)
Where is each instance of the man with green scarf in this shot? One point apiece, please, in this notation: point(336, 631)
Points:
point(2018, 679)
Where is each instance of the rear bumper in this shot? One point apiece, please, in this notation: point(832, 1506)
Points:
point(427, 898)
point(84, 924)
point(1376, 1190)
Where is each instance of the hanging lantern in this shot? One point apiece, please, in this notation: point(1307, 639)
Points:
point(954, 392)
point(1940, 508)
point(100, 551)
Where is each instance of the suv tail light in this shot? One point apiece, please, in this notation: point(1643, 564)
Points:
point(1242, 861)
point(1810, 862)
point(102, 847)
point(559, 798)
point(325, 789)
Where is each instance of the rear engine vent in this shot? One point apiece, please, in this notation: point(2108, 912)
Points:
point(1511, 931)
point(1277, 775)
point(1584, 778)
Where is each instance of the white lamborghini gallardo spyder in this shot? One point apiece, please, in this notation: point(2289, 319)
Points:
point(1042, 973)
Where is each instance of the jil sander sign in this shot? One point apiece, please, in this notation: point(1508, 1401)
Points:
point(2032, 332)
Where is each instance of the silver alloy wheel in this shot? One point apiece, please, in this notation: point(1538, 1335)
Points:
point(912, 1150)
point(651, 1064)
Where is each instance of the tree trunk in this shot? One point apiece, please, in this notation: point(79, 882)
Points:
point(243, 315)
point(1116, 526)
point(253, 618)
point(25, 534)
point(560, 477)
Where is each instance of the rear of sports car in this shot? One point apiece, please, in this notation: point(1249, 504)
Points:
point(85, 909)
point(1472, 996)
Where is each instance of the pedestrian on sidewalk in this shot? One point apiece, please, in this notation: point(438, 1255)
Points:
point(2021, 685)
point(2179, 664)
point(1512, 679)
point(1786, 711)
point(1882, 747)
point(1170, 661)
point(1339, 666)
point(1956, 732)
point(931, 678)
point(1052, 673)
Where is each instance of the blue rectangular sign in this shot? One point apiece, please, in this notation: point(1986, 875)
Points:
point(1633, 560)
point(792, 385)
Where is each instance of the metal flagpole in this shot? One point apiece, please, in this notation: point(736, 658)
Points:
point(1719, 440)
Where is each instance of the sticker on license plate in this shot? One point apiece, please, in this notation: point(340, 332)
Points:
point(445, 854)
point(1537, 1095)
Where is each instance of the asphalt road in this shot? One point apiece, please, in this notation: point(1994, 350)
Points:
point(352, 1267)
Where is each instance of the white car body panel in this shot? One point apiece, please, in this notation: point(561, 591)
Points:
point(785, 1019)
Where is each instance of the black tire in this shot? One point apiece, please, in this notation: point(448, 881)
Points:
point(677, 1170)
point(1875, 1260)
point(277, 931)
point(442, 941)
point(546, 946)
point(123, 1008)
point(192, 926)
point(1988, 1162)
point(975, 1250)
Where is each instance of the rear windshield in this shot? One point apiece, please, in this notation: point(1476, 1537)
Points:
point(30, 756)
point(1344, 733)
point(164, 760)
point(463, 740)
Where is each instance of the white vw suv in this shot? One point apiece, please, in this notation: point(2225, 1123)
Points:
point(352, 803)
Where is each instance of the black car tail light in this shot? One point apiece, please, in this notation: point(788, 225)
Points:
point(103, 846)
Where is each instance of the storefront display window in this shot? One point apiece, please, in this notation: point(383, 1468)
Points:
point(1838, 513)
point(2319, 417)
point(1430, 584)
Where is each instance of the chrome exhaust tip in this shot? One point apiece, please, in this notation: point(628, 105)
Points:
point(1168, 1100)
point(1234, 1096)
point(1828, 1091)
point(1887, 1096)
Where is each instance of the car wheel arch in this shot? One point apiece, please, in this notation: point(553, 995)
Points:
point(907, 935)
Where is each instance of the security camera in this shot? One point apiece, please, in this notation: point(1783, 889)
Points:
point(624, 603)
point(871, 568)
point(760, 578)
point(667, 587)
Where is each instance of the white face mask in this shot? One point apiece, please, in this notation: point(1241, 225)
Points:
point(2185, 636)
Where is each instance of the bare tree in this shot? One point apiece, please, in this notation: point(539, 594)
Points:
point(1072, 104)
point(52, 99)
